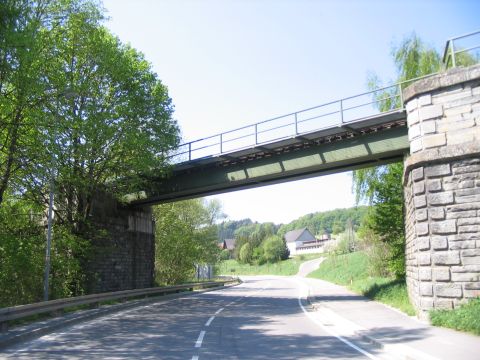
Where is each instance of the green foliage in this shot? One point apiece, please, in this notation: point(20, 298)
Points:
point(224, 255)
point(275, 249)
point(463, 318)
point(184, 236)
point(22, 256)
point(331, 222)
point(377, 250)
point(69, 254)
point(78, 106)
point(382, 186)
point(413, 58)
point(351, 270)
point(246, 253)
point(226, 229)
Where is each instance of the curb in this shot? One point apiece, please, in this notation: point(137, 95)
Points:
point(35, 330)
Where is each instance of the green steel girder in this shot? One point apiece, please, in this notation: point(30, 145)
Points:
point(346, 154)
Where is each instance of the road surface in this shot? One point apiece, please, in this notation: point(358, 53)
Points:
point(263, 318)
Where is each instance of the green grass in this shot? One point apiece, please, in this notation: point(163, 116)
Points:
point(285, 267)
point(464, 318)
point(351, 270)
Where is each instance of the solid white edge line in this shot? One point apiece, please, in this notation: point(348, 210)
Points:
point(209, 321)
point(198, 343)
point(367, 354)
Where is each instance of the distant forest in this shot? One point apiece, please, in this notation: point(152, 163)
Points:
point(319, 223)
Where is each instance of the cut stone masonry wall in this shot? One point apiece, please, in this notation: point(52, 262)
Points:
point(124, 251)
point(442, 190)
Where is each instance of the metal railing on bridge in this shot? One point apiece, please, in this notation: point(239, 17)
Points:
point(462, 50)
point(335, 114)
point(338, 113)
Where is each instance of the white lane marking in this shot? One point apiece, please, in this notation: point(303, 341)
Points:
point(218, 311)
point(209, 321)
point(198, 343)
point(195, 357)
point(345, 341)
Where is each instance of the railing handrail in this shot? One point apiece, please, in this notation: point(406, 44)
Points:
point(22, 311)
point(296, 113)
point(449, 50)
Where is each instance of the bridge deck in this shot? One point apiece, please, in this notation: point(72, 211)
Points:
point(377, 139)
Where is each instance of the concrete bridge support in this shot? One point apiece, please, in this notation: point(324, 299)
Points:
point(442, 189)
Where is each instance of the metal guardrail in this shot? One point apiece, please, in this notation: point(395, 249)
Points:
point(453, 49)
point(23, 311)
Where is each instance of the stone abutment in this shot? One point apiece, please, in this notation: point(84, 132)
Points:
point(442, 190)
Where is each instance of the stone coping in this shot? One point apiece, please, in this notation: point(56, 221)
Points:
point(448, 78)
point(440, 155)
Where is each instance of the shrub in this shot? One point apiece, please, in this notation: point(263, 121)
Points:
point(275, 249)
point(246, 253)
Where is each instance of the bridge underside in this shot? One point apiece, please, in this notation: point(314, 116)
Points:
point(302, 158)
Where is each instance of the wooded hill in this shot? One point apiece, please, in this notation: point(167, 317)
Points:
point(331, 222)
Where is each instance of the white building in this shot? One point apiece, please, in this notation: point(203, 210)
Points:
point(302, 241)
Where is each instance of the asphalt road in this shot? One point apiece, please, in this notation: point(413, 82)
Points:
point(262, 318)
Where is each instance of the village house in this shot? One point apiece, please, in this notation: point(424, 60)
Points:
point(302, 241)
point(227, 244)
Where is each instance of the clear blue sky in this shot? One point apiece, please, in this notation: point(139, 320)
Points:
point(231, 63)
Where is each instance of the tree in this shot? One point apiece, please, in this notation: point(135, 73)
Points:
point(23, 47)
point(382, 186)
point(246, 253)
point(78, 106)
point(275, 249)
point(115, 130)
point(184, 236)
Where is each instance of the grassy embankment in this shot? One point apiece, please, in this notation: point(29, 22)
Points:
point(351, 270)
point(285, 267)
point(464, 318)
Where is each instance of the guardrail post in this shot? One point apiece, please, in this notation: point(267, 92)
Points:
point(221, 143)
point(256, 134)
point(189, 151)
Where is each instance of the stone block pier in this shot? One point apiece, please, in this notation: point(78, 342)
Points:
point(442, 189)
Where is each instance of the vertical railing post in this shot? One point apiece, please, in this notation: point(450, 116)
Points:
point(341, 112)
point(221, 143)
point(452, 51)
point(189, 151)
point(401, 95)
point(296, 125)
point(256, 134)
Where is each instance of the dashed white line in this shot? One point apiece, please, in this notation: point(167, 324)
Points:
point(195, 357)
point(218, 311)
point(209, 321)
point(198, 343)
